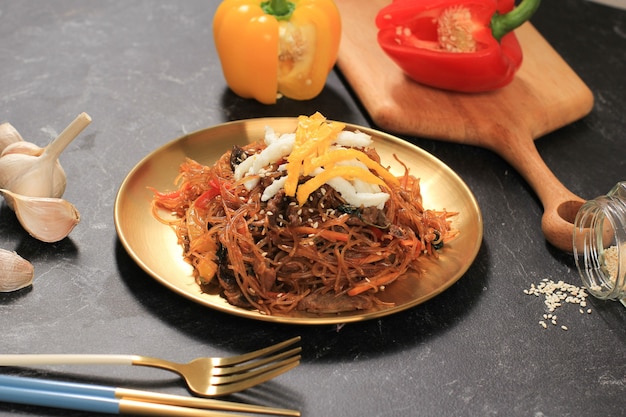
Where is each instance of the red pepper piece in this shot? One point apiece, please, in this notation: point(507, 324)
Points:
point(459, 45)
point(205, 198)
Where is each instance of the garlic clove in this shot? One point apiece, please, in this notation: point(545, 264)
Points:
point(22, 174)
point(38, 176)
point(24, 147)
point(8, 135)
point(45, 219)
point(39, 189)
point(15, 271)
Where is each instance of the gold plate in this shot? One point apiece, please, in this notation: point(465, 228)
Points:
point(155, 249)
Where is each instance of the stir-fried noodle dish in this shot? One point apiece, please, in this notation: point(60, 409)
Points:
point(307, 220)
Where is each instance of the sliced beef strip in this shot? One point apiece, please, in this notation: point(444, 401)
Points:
point(331, 303)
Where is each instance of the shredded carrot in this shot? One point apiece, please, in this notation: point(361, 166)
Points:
point(372, 284)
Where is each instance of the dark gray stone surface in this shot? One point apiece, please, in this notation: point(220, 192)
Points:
point(147, 72)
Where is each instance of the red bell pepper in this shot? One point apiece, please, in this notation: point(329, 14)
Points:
point(214, 190)
point(460, 45)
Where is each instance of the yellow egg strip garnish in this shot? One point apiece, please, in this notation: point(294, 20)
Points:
point(338, 155)
point(314, 136)
point(344, 171)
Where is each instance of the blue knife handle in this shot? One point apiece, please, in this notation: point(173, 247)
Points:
point(58, 386)
point(64, 400)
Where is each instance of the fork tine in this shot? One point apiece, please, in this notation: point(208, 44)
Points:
point(230, 378)
point(230, 388)
point(258, 363)
point(233, 360)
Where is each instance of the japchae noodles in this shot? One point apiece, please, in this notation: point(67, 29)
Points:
point(308, 220)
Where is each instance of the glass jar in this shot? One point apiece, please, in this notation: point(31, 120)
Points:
point(600, 244)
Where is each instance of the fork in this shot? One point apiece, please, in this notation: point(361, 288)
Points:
point(206, 377)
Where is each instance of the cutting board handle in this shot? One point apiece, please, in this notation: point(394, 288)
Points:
point(559, 204)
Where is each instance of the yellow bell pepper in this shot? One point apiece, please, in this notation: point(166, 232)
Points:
point(277, 47)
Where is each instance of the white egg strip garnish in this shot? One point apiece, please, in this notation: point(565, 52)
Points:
point(356, 191)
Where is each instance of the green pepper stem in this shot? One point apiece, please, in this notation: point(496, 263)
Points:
point(501, 24)
point(280, 9)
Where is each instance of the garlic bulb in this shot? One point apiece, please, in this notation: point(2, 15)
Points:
point(8, 135)
point(15, 271)
point(46, 219)
point(38, 175)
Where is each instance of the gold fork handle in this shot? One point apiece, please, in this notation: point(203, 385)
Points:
point(157, 363)
point(65, 359)
point(88, 359)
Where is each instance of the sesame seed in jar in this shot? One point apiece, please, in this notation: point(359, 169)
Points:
point(611, 259)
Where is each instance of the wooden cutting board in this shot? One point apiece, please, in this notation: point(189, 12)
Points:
point(545, 95)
